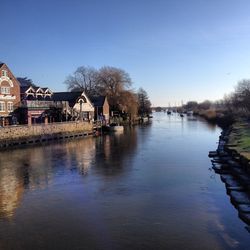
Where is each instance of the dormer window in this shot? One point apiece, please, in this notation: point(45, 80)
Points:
point(4, 73)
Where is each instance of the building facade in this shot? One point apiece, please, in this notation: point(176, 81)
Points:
point(35, 105)
point(101, 106)
point(9, 96)
point(74, 105)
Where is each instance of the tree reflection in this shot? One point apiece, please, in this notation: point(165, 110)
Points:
point(113, 150)
point(40, 167)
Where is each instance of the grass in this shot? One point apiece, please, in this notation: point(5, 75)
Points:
point(240, 139)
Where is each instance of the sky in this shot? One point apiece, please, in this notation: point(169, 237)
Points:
point(177, 50)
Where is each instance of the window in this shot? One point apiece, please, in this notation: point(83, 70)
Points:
point(2, 106)
point(10, 106)
point(4, 73)
point(82, 99)
point(5, 90)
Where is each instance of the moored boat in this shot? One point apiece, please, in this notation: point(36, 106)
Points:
point(116, 128)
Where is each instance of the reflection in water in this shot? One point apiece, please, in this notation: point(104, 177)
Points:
point(114, 150)
point(198, 122)
point(147, 188)
point(38, 167)
point(11, 192)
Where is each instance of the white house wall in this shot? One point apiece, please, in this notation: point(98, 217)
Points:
point(86, 107)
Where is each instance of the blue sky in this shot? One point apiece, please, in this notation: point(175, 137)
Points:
point(175, 49)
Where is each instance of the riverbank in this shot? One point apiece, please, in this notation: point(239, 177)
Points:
point(219, 117)
point(239, 140)
point(13, 136)
point(232, 161)
point(131, 187)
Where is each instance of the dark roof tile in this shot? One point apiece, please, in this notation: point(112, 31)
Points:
point(98, 101)
point(24, 88)
point(71, 97)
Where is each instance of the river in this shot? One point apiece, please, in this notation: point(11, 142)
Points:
point(150, 187)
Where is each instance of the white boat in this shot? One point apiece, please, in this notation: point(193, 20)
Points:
point(116, 128)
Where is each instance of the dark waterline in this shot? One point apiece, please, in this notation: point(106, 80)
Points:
point(150, 187)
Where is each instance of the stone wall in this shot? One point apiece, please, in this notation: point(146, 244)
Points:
point(43, 130)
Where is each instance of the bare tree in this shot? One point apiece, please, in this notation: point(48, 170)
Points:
point(241, 97)
point(228, 102)
point(191, 105)
point(205, 105)
point(112, 82)
point(83, 79)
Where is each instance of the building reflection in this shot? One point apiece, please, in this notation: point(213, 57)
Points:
point(11, 192)
point(80, 155)
point(21, 169)
point(39, 167)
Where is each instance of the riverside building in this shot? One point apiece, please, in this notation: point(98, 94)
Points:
point(9, 96)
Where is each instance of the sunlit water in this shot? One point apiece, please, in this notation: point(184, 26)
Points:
point(150, 187)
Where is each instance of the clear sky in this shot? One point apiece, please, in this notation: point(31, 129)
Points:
point(175, 49)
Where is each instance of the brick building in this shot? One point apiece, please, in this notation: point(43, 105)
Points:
point(101, 106)
point(9, 96)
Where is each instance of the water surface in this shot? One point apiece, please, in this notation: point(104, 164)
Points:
point(150, 187)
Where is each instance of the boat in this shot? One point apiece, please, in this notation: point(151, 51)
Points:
point(116, 128)
point(113, 127)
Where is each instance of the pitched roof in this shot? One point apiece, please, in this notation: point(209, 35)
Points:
point(98, 101)
point(46, 89)
point(71, 97)
point(25, 88)
point(1, 64)
point(37, 88)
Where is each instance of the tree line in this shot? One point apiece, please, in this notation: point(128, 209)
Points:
point(116, 84)
point(232, 107)
point(238, 102)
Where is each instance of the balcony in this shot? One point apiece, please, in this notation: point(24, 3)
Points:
point(37, 104)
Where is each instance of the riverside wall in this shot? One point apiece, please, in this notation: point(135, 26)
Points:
point(21, 135)
point(234, 170)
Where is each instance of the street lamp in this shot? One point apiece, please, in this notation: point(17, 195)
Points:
point(81, 102)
